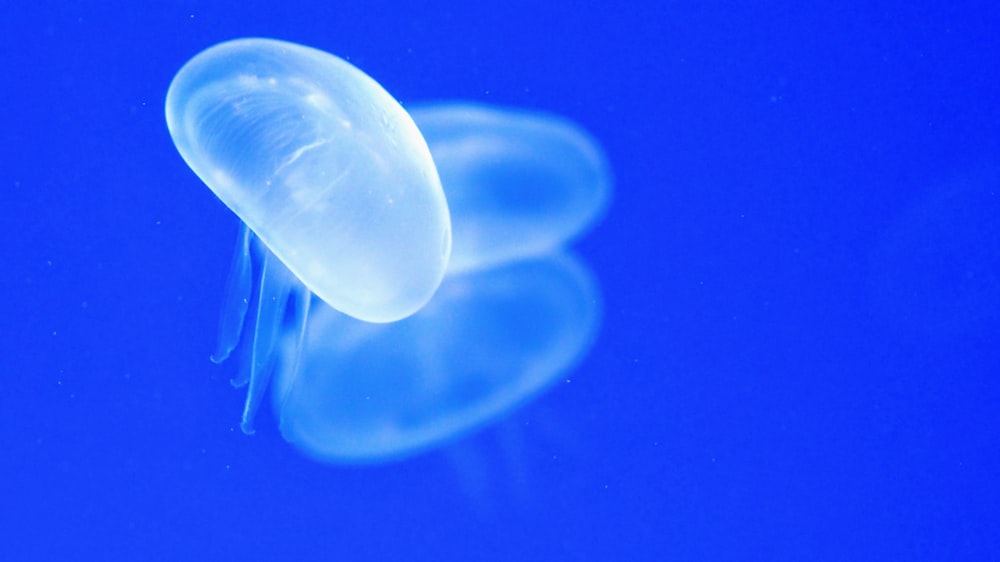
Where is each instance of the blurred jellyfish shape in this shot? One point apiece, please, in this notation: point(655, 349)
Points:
point(515, 315)
point(488, 341)
point(518, 183)
point(328, 173)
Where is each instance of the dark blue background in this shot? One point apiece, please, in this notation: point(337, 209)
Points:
point(801, 272)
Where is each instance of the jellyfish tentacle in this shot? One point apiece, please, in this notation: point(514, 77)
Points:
point(276, 285)
point(237, 298)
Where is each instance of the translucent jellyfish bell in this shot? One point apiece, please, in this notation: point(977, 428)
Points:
point(332, 179)
point(322, 165)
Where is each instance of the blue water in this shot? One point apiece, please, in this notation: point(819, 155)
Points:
point(800, 271)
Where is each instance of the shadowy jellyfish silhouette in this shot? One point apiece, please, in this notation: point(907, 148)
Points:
point(340, 197)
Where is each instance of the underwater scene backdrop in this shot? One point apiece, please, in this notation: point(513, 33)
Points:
point(732, 293)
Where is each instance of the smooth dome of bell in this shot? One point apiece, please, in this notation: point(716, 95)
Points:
point(323, 165)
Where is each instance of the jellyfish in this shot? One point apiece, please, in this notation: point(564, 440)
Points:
point(380, 348)
point(326, 171)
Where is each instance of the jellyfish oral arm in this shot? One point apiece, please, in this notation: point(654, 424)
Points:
point(237, 298)
point(271, 328)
